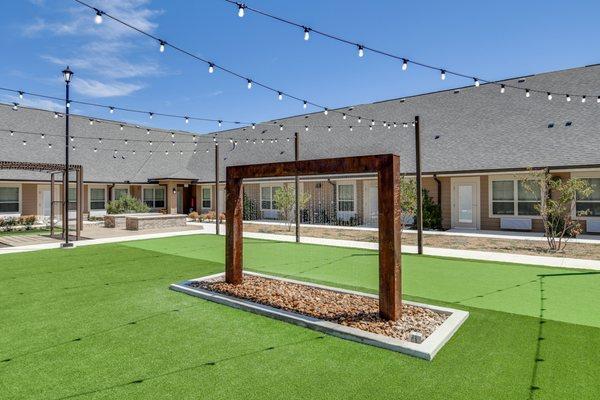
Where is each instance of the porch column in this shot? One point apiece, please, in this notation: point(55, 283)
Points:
point(234, 228)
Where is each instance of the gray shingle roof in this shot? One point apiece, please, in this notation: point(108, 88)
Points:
point(476, 129)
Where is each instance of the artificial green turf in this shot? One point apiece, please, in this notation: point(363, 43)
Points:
point(99, 322)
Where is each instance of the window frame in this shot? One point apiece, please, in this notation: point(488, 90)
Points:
point(585, 175)
point(114, 191)
point(515, 200)
point(337, 196)
point(210, 196)
point(271, 186)
point(154, 188)
point(19, 200)
point(103, 188)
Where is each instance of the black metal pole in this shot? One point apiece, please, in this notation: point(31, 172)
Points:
point(297, 186)
point(66, 179)
point(217, 188)
point(419, 213)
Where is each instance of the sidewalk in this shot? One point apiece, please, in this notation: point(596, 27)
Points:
point(562, 262)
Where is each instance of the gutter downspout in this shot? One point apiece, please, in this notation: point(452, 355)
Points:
point(439, 190)
point(110, 191)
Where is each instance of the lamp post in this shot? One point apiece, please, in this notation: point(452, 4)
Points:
point(67, 74)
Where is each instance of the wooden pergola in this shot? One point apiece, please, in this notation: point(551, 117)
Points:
point(387, 167)
point(54, 169)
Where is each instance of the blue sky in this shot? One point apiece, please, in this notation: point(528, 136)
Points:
point(115, 66)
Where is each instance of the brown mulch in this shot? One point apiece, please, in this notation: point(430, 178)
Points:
point(342, 308)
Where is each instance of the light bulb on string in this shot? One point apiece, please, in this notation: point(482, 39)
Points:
point(305, 103)
point(343, 115)
point(211, 68)
point(325, 111)
point(49, 145)
point(147, 131)
point(329, 129)
point(111, 110)
point(121, 127)
point(404, 64)
point(151, 115)
point(306, 33)
point(162, 46)
point(549, 96)
point(42, 136)
point(253, 126)
point(24, 142)
point(568, 98)
point(100, 140)
point(306, 128)
point(21, 95)
point(359, 120)
point(443, 75)
point(55, 115)
point(280, 96)
point(249, 83)
point(241, 8)
point(476, 82)
point(220, 123)
point(361, 51)
point(583, 99)
point(187, 120)
point(527, 93)
point(98, 17)
point(15, 106)
point(502, 88)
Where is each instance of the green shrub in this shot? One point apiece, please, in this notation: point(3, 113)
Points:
point(126, 205)
point(432, 212)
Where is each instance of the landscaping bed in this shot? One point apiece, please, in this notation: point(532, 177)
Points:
point(352, 310)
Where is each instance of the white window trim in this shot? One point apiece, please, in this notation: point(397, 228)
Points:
point(337, 195)
point(515, 214)
point(90, 187)
point(210, 198)
point(20, 210)
point(153, 201)
point(120, 187)
point(269, 185)
point(583, 175)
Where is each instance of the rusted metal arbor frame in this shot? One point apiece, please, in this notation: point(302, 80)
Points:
point(387, 167)
point(54, 169)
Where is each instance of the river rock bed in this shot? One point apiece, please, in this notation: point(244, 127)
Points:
point(342, 308)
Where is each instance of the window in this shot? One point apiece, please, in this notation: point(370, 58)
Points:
point(511, 197)
point(97, 199)
point(345, 197)
point(154, 197)
point(121, 192)
point(206, 197)
point(267, 195)
point(9, 199)
point(72, 199)
point(590, 204)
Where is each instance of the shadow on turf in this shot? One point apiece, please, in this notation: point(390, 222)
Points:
point(78, 339)
point(534, 385)
point(191, 367)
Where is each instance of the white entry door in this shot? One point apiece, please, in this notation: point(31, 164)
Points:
point(370, 204)
point(46, 203)
point(222, 201)
point(465, 203)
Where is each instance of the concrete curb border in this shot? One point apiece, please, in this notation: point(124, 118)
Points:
point(425, 350)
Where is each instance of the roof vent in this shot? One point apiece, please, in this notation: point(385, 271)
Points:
point(402, 100)
point(551, 125)
point(568, 123)
point(436, 137)
point(456, 91)
point(522, 80)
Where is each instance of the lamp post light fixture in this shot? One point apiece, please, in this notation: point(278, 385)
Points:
point(67, 75)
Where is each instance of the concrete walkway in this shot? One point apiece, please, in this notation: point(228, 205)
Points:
point(563, 262)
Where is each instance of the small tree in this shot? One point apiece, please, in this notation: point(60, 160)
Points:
point(408, 199)
point(285, 201)
point(557, 205)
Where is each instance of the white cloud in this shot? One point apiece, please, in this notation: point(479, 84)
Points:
point(104, 58)
point(34, 102)
point(93, 88)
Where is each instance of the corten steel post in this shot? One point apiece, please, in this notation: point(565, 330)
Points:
point(234, 230)
point(419, 213)
point(297, 186)
point(67, 74)
point(387, 167)
point(390, 214)
point(217, 188)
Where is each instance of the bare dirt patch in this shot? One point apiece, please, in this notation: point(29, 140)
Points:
point(529, 247)
point(342, 308)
